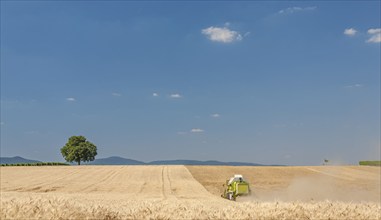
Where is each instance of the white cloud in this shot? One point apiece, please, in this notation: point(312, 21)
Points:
point(216, 115)
point(71, 99)
point(375, 35)
point(350, 31)
point(374, 31)
point(223, 35)
point(175, 96)
point(155, 94)
point(116, 94)
point(357, 85)
point(292, 10)
point(181, 133)
point(196, 130)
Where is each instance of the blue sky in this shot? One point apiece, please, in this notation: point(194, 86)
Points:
point(265, 82)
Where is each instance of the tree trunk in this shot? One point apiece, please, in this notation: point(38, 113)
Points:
point(79, 162)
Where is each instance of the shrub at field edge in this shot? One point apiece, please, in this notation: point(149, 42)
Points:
point(37, 164)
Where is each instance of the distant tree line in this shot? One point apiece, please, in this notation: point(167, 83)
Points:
point(370, 163)
point(36, 164)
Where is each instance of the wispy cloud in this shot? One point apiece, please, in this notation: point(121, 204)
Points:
point(215, 115)
point(31, 132)
point(350, 31)
point(116, 94)
point(357, 85)
point(375, 35)
point(71, 99)
point(175, 96)
point(197, 130)
point(181, 132)
point(292, 10)
point(155, 94)
point(222, 34)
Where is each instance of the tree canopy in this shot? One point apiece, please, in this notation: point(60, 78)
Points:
point(79, 149)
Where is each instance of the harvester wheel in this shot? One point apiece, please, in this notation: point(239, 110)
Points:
point(230, 196)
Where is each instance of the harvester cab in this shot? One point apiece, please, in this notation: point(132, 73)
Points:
point(236, 186)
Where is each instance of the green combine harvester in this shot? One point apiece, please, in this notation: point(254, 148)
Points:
point(236, 186)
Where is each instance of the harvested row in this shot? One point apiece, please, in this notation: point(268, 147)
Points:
point(130, 181)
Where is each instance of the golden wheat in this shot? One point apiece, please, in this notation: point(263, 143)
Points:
point(163, 192)
point(37, 207)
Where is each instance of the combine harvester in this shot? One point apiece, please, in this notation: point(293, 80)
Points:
point(236, 186)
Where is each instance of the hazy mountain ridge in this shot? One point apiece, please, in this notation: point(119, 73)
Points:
point(197, 162)
point(17, 159)
point(115, 160)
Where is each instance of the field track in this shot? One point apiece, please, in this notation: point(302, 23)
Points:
point(343, 183)
point(156, 182)
point(179, 192)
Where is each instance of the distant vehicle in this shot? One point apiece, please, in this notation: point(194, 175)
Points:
point(236, 186)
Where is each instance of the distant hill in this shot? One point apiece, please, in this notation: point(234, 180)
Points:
point(115, 161)
point(124, 161)
point(13, 160)
point(197, 162)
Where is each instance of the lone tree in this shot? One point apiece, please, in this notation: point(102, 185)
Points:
point(79, 149)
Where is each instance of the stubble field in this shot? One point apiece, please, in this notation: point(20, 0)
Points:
point(192, 192)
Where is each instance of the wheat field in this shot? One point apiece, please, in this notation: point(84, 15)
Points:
point(179, 192)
